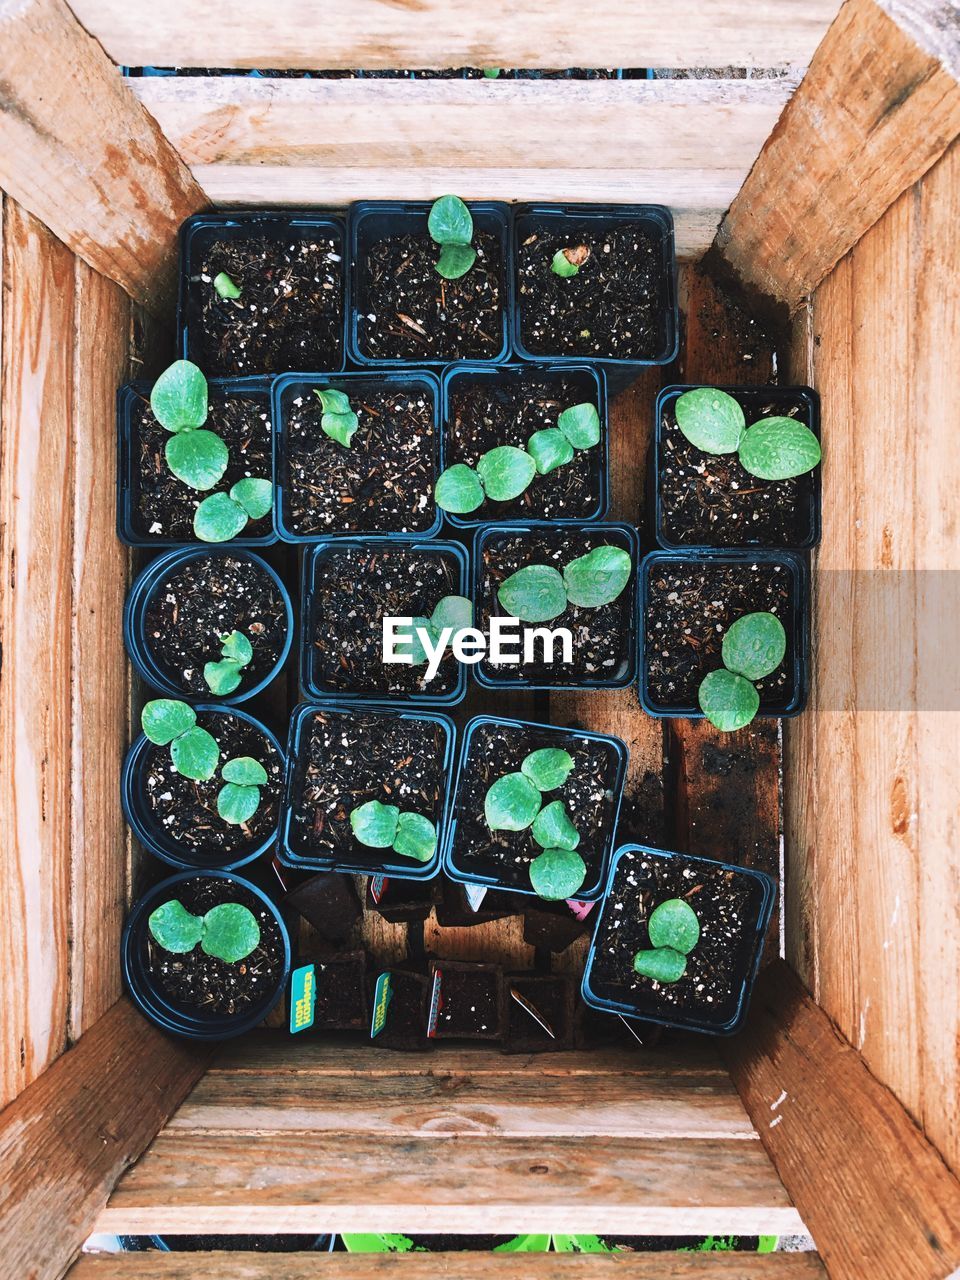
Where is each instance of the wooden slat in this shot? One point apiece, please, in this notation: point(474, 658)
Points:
point(685, 143)
point(317, 1182)
point(874, 1193)
point(431, 33)
point(100, 575)
point(36, 506)
point(449, 1266)
point(871, 792)
point(66, 1139)
point(77, 150)
point(876, 109)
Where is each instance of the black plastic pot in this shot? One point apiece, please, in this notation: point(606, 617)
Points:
point(474, 991)
point(198, 233)
point(756, 402)
point(130, 530)
point(405, 1026)
point(178, 1018)
point(650, 877)
point(342, 1000)
point(796, 624)
point(552, 996)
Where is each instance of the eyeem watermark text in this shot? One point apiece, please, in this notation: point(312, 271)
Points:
point(508, 643)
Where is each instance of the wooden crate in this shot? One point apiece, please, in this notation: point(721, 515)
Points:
point(832, 191)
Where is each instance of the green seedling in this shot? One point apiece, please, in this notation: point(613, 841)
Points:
point(427, 638)
point(239, 799)
point(450, 224)
point(228, 931)
point(674, 931)
point(223, 516)
point(224, 676)
point(753, 647)
point(775, 448)
point(339, 421)
point(225, 286)
point(491, 73)
point(505, 472)
point(539, 592)
point(567, 262)
point(384, 826)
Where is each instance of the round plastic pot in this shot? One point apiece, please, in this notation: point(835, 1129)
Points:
point(370, 221)
point(309, 680)
point(623, 535)
point(128, 490)
point(529, 219)
point(797, 627)
point(591, 889)
point(143, 823)
point(749, 954)
point(177, 1018)
point(289, 386)
point(592, 385)
point(142, 594)
point(205, 229)
point(379, 861)
point(751, 400)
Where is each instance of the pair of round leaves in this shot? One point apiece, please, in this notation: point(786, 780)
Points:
point(228, 931)
point(503, 473)
point(239, 800)
point(383, 826)
point(753, 647)
point(673, 930)
point(450, 224)
point(339, 421)
point(193, 751)
point(774, 448)
point(538, 592)
point(224, 676)
point(451, 611)
point(223, 516)
point(179, 402)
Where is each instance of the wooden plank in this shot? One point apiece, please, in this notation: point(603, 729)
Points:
point(66, 1139)
point(846, 148)
point(871, 795)
point(449, 1266)
point(36, 506)
point(317, 1182)
point(99, 668)
point(548, 33)
point(78, 151)
point(873, 1192)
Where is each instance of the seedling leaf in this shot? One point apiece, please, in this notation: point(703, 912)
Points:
point(533, 594)
point(230, 932)
point(375, 824)
point(491, 73)
point(674, 924)
point(557, 874)
point(552, 828)
point(512, 803)
point(549, 449)
point(452, 611)
point(238, 647)
point(455, 260)
point(450, 221)
point(581, 425)
point(710, 419)
point(254, 496)
point(778, 448)
point(237, 804)
point(458, 490)
point(179, 397)
point(416, 837)
point(567, 262)
point(663, 964)
point(174, 928)
point(164, 719)
point(198, 458)
point(727, 700)
point(245, 771)
point(755, 645)
point(333, 401)
point(222, 677)
point(410, 640)
point(225, 286)
point(218, 518)
point(548, 767)
point(341, 427)
point(598, 577)
point(195, 754)
point(505, 472)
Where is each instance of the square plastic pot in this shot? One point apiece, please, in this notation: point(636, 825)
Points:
point(622, 535)
point(539, 735)
point(752, 400)
point(797, 626)
point(721, 1020)
point(591, 385)
point(552, 995)
point(370, 221)
point(128, 483)
point(310, 680)
point(457, 979)
point(288, 387)
point(528, 219)
point(385, 862)
point(205, 229)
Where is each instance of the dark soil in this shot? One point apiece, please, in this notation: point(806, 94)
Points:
point(342, 1003)
point(727, 905)
point(603, 638)
point(610, 309)
point(485, 412)
point(552, 997)
point(472, 1002)
point(347, 758)
point(163, 506)
point(354, 589)
point(709, 500)
point(690, 608)
point(186, 810)
point(587, 794)
point(206, 983)
point(406, 1025)
point(290, 311)
point(409, 312)
point(204, 600)
point(382, 484)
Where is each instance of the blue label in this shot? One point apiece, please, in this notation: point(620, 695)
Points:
point(381, 1001)
point(303, 998)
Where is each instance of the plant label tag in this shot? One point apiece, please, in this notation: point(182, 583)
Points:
point(377, 885)
point(382, 996)
point(436, 1001)
point(627, 1023)
point(475, 895)
point(580, 909)
point(303, 998)
point(525, 1004)
point(281, 873)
